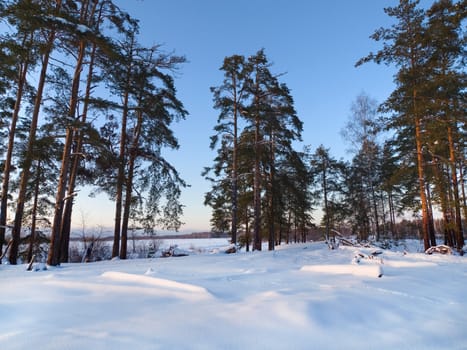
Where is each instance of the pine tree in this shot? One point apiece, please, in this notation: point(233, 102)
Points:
point(294, 196)
point(282, 127)
point(446, 41)
point(17, 57)
point(230, 98)
point(100, 53)
point(9, 52)
point(41, 184)
point(363, 191)
point(252, 98)
point(428, 47)
point(158, 108)
point(220, 196)
point(327, 179)
point(361, 131)
point(390, 185)
point(272, 117)
point(50, 23)
point(80, 30)
point(56, 237)
point(150, 106)
point(403, 47)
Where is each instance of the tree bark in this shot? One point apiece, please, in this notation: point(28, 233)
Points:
point(444, 202)
point(326, 204)
point(60, 199)
point(34, 215)
point(421, 175)
point(120, 181)
point(78, 142)
point(235, 164)
point(121, 164)
point(464, 198)
point(271, 196)
point(455, 187)
point(375, 209)
point(53, 258)
point(129, 184)
point(257, 191)
point(247, 230)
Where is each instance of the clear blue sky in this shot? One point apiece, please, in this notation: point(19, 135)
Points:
point(315, 42)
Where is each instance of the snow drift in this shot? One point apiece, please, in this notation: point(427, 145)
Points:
point(297, 297)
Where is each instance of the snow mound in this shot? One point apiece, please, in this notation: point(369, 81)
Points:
point(353, 269)
point(402, 263)
point(162, 284)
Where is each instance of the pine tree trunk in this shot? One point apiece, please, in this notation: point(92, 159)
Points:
point(129, 185)
point(121, 167)
point(55, 240)
point(383, 213)
point(53, 258)
point(392, 216)
point(247, 230)
point(279, 236)
point(78, 142)
point(464, 198)
point(235, 165)
point(127, 208)
point(375, 210)
point(120, 181)
point(444, 200)
point(271, 196)
point(295, 225)
point(431, 224)
point(34, 215)
point(455, 187)
point(68, 211)
point(66, 221)
point(257, 191)
point(326, 204)
point(421, 175)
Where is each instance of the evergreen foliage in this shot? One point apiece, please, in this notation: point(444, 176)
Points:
point(427, 109)
point(76, 48)
point(256, 128)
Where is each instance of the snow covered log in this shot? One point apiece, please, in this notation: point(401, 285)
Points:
point(173, 251)
point(231, 249)
point(441, 249)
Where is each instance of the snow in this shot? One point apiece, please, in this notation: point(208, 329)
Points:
point(83, 29)
point(357, 270)
point(301, 296)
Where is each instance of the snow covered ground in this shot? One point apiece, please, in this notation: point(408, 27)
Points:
point(297, 297)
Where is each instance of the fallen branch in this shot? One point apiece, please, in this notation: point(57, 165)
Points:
point(31, 263)
point(346, 242)
point(6, 250)
point(173, 251)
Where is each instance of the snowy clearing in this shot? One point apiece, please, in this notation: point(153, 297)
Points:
point(297, 297)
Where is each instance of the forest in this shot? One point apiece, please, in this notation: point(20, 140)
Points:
point(84, 103)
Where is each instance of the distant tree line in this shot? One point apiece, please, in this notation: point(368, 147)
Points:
point(82, 102)
point(408, 153)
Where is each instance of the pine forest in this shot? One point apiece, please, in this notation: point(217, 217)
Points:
point(83, 103)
